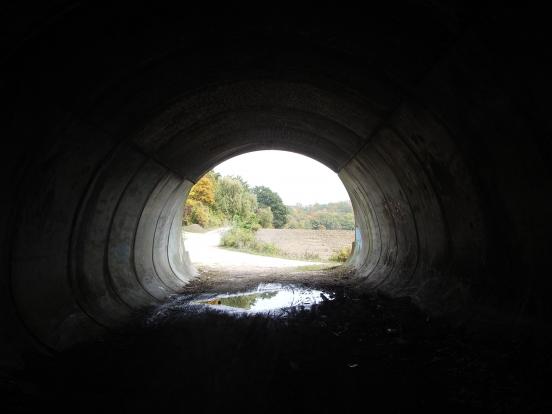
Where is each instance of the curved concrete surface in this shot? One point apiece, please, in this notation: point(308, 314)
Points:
point(435, 118)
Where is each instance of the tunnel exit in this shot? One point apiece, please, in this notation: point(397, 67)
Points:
point(268, 212)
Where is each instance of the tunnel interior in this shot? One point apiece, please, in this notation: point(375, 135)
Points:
point(434, 117)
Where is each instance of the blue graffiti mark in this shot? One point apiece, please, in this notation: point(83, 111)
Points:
point(358, 239)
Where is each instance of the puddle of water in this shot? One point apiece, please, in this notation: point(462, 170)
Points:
point(271, 299)
point(267, 298)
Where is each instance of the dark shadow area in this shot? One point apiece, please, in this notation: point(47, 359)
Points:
point(435, 116)
point(343, 354)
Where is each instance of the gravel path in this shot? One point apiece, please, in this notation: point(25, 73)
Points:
point(206, 254)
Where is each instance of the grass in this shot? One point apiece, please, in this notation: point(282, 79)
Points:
point(341, 255)
point(310, 256)
point(278, 254)
point(244, 240)
point(251, 251)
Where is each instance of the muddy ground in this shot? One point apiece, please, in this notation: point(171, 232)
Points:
point(224, 281)
point(358, 352)
point(307, 243)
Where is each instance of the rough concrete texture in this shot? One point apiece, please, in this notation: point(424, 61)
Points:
point(436, 118)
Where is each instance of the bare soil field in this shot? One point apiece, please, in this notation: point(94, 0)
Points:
point(303, 243)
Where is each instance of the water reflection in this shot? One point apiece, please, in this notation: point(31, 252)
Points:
point(241, 301)
point(268, 297)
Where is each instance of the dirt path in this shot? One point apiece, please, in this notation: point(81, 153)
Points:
point(206, 255)
point(223, 270)
point(224, 281)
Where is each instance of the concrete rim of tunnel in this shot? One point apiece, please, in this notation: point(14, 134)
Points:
point(121, 261)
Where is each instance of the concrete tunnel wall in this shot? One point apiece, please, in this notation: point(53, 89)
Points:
point(439, 145)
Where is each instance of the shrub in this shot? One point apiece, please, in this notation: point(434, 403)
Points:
point(216, 219)
point(196, 213)
point(238, 238)
point(341, 255)
point(248, 223)
point(310, 256)
point(265, 217)
point(244, 239)
point(266, 248)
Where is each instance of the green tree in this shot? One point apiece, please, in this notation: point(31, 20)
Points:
point(235, 202)
point(268, 198)
point(265, 217)
point(331, 216)
point(199, 213)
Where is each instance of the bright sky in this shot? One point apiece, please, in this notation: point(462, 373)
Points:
point(296, 178)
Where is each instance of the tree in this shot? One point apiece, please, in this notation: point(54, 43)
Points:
point(199, 213)
point(204, 190)
point(236, 203)
point(332, 216)
point(200, 198)
point(268, 198)
point(266, 217)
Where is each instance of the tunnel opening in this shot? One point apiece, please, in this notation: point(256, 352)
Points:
point(268, 212)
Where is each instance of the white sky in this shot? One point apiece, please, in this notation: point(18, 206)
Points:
point(296, 178)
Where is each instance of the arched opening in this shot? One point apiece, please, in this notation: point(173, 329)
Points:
point(264, 224)
point(268, 210)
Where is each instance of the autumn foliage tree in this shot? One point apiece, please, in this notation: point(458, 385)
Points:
point(200, 200)
point(215, 200)
point(204, 190)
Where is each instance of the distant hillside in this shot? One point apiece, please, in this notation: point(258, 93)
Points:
point(331, 216)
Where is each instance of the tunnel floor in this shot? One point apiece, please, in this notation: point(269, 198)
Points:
point(354, 350)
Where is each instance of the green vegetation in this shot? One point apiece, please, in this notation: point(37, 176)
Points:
point(310, 256)
point(215, 201)
point(331, 216)
point(341, 255)
point(269, 199)
point(235, 203)
point(241, 301)
point(266, 218)
point(244, 239)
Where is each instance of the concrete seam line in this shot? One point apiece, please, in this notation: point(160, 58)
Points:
point(133, 244)
point(161, 211)
point(107, 245)
point(155, 270)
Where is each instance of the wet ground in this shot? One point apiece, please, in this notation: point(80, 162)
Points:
point(274, 300)
point(333, 350)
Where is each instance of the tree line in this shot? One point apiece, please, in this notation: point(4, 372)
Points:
point(330, 216)
point(217, 200)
